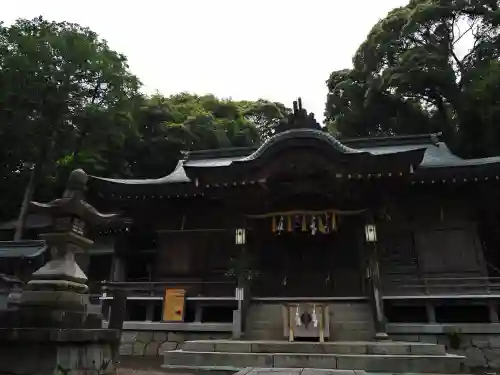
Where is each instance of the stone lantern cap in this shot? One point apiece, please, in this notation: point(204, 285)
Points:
point(73, 204)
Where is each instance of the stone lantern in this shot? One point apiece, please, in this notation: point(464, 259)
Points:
point(52, 314)
point(59, 287)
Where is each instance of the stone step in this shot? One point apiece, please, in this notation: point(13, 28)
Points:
point(299, 371)
point(335, 347)
point(351, 335)
point(369, 362)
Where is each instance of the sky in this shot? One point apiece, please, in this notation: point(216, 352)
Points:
point(240, 49)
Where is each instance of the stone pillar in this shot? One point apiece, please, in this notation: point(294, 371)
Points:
point(57, 292)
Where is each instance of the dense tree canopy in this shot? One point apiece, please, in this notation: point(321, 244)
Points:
point(431, 65)
point(68, 100)
point(61, 86)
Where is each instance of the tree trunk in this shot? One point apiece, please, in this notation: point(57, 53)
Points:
point(28, 195)
point(30, 189)
point(79, 146)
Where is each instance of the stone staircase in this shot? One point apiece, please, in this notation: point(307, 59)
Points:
point(382, 356)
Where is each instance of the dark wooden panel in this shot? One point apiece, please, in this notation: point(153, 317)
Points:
point(175, 256)
point(398, 261)
point(450, 250)
point(299, 264)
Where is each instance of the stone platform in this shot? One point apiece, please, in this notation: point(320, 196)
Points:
point(383, 356)
point(38, 351)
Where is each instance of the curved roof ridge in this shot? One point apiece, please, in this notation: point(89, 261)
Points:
point(394, 140)
point(176, 176)
point(302, 133)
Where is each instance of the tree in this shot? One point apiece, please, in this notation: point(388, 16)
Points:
point(416, 53)
point(69, 101)
point(204, 122)
point(60, 83)
point(356, 109)
point(265, 115)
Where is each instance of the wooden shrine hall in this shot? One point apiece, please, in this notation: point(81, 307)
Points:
point(312, 232)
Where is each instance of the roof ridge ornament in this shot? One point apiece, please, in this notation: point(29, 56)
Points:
point(298, 119)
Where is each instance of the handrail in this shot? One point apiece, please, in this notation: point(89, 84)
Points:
point(156, 298)
point(154, 290)
point(445, 284)
point(451, 278)
point(160, 283)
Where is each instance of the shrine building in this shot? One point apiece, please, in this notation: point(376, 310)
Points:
point(358, 237)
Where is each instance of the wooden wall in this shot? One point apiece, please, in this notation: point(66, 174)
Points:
point(426, 241)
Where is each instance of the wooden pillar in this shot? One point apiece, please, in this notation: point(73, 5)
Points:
point(118, 272)
point(118, 268)
point(118, 314)
point(374, 284)
point(118, 264)
point(493, 312)
point(431, 311)
point(240, 240)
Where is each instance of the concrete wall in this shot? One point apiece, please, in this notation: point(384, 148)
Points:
point(146, 343)
point(480, 343)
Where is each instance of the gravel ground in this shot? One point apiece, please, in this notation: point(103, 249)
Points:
point(131, 371)
point(141, 366)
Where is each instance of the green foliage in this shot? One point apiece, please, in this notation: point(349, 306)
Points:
point(412, 75)
point(69, 101)
point(60, 84)
point(356, 109)
point(265, 115)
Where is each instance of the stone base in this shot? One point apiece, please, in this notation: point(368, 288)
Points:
point(57, 299)
point(46, 317)
point(51, 309)
point(381, 336)
point(57, 351)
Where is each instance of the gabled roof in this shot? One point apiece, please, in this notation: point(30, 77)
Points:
point(178, 176)
point(437, 158)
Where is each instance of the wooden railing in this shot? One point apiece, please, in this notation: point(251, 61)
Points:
point(442, 286)
point(155, 290)
point(148, 296)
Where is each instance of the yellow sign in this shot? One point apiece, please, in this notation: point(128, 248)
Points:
point(173, 305)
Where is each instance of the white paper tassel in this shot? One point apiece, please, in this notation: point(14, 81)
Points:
point(314, 317)
point(327, 223)
point(297, 317)
point(281, 226)
point(313, 226)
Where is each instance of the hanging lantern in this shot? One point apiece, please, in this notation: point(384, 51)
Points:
point(240, 236)
point(370, 233)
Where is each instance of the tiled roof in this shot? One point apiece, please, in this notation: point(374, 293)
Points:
point(437, 154)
